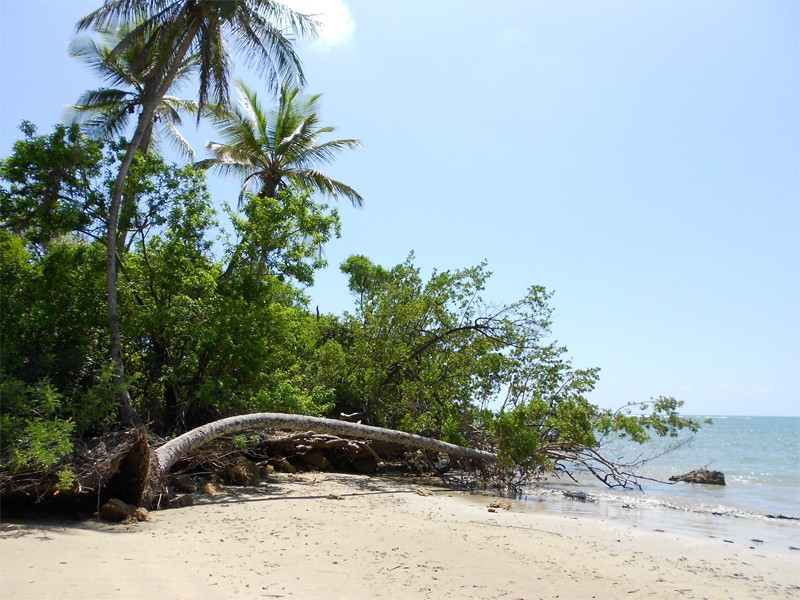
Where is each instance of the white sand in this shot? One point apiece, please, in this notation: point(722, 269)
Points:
point(379, 538)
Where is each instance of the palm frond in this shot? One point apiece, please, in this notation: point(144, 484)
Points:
point(214, 66)
point(177, 106)
point(105, 112)
point(115, 12)
point(318, 181)
point(107, 125)
point(102, 99)
point(177, 141)
point(279, 146)
point(114, 70)
point(248, 104)
point(259, 35)
point(327, 151)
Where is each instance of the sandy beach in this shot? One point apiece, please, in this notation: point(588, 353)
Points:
point(317, 535)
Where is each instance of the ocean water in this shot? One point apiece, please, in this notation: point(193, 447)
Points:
point(759, 456)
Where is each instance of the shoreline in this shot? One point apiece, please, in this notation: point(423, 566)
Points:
point(693, 518)
point(337, 535)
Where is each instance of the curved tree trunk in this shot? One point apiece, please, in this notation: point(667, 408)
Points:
point(166, 456)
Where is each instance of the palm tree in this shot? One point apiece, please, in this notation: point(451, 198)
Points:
point(105, 113)
point(271, 150)
point(169, 31)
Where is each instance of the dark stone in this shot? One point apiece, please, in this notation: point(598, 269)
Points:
point(576, 495)
point(116, 510)
point(703, 475)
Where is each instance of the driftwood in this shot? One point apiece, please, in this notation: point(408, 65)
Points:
point(163, 458)
point(322, 450)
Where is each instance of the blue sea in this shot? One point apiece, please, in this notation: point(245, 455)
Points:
point(759, 456)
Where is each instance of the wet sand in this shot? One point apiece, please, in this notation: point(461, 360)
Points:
point(318, 535)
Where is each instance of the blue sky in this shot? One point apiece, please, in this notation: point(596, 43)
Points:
point(639, 159)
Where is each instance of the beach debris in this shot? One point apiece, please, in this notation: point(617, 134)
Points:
point(365, 464)
point(283, 464)
point(334, 497)
point(316, 458)
point(421, 492)
point(702, 475)
point(182, 501)
point(500, 505)
point(183, 485)
point(213, 489)
point(117, 510)
point(241, 471)
point(265, 469)
point(576, 495)
point(141, 514)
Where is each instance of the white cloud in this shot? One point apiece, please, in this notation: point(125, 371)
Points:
point(336, 24)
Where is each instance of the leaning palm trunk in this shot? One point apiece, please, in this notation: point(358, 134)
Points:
point(128, 414)
point(162, 459)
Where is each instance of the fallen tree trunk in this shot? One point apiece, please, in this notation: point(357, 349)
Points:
point(164, 457)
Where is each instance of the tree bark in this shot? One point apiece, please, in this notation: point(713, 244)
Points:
point(166, 456)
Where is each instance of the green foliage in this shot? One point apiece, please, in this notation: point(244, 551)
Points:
point(242, 442)
point(282, 236)
point(517, 437)
point(97, 406)
point(433, 357)
point(212, 329)
point(662, 420)
point(205, 335)
point(211, 340)
point(425, 356)
point(34, 436)
point(66, 480)
point(270, 150)
point(53, 315)
point(47, 189)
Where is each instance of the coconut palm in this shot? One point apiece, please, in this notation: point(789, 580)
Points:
point(168, 31)
point(106, 112)
point(272, 149)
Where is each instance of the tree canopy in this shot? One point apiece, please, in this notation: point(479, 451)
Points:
point(269, 150)
point(101, 233)
point(106, 112)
